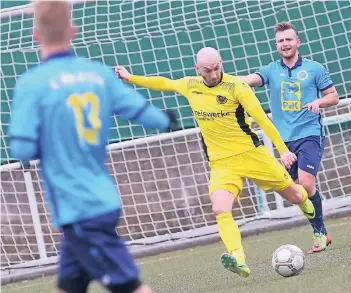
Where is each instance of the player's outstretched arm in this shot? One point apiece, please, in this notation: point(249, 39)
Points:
point(156, 83)
point(25, 120)
point(252, 79)
point(252, 105)
point(130, 105)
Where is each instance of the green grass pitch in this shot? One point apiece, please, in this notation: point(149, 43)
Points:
point(199, 269)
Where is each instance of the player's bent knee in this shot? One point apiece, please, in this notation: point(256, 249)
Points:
point(220, 207)
point(222, 201)
point(308, 185)
point(308, 181)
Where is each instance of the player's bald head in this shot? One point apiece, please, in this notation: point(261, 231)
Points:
point(207, 56)
point(52, 21)
point(209, 65)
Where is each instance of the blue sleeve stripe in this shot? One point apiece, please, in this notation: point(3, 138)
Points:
point(327, 87)
point(23, 138)
point(141, 111)
point(259, 74)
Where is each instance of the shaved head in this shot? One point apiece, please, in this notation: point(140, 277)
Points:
point(52, 22)
point(207, 55)
point(209, 65)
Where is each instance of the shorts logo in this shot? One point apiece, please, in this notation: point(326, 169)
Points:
point(106, 280)
point(286, 176)
point(302, 75)
point(221, 99)
point(310, 166)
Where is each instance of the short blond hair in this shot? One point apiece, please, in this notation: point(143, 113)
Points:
point(283, 26)
point(52, 20)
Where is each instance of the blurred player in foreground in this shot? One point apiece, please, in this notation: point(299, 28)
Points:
point(294, 83)
point(219, 102)
point(61, 114)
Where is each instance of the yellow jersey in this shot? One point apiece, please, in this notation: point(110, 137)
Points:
point(220, 112)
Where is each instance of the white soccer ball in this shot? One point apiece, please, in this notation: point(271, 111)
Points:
point(288, 260)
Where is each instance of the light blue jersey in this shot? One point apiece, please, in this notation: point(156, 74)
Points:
point(290, 89)
point(64, 108)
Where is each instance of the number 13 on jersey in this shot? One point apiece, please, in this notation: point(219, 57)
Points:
point(78, 103)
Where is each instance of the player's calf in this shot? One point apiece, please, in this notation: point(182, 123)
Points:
point(308, 181)
point(222, 204)
point(296, 194)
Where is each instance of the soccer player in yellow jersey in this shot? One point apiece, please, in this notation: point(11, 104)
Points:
point(220, 103)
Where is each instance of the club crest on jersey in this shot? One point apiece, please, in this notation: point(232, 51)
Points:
point(302, 75)
point(221, 99)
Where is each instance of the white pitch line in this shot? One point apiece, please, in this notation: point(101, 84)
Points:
point(159, 260)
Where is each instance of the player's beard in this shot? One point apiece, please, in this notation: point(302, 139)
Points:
point(211, 82)
point(288, 54)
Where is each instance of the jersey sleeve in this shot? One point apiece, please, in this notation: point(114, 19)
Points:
point(264, 73)
point(251, 104)
point(25, 120)
point(323, 80)
point(160, 83)
point(246, 97)
point(23, 150)
point(130, 105)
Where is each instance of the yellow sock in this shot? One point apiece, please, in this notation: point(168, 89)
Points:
point(304, 192)
point(229, 232)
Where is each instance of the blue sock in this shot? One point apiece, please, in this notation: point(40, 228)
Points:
point(317, 223)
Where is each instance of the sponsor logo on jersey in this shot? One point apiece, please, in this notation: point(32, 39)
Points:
point(291, 106)
point(203, 115)
point(197, 92)
point(290, 96)
point(221, 99)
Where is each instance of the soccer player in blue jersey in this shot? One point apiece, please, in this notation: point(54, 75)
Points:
point(61, 114)
point(295, 83)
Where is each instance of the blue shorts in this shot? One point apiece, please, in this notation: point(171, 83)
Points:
point(92, 250)
point(309, 151)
